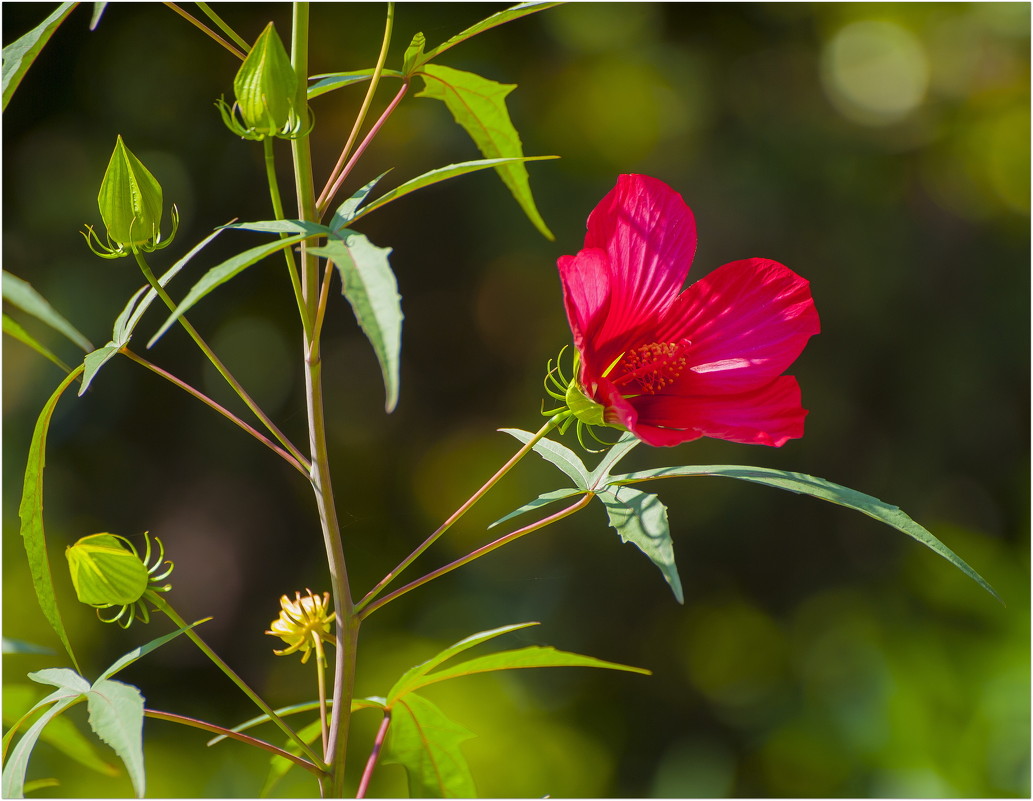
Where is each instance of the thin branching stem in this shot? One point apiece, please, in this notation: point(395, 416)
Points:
point(197, 23)
point(226, 29)
point(374, 754)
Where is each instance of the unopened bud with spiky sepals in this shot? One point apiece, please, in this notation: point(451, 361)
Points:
point(303, 624)
point(130, 201)
point(266, 89)
point(577, 406)
point(107, 572)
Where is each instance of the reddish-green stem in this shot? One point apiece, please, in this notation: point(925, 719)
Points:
point(371, 763)
point(477, 554)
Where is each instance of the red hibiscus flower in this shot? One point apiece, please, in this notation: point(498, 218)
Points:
point(670, 365)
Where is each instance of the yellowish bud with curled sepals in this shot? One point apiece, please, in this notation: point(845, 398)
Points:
point(303, 624)
point(107, 572)
point(130, 202)
point(266, 89)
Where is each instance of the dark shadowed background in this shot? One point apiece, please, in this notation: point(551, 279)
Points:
point(880, 150)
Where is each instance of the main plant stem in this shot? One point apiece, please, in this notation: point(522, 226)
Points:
point(346, 630)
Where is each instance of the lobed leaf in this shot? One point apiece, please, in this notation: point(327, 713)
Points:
point(412, 677)
point(559, 455)
point(438, 175)
point(371, 289)
point(12, 782)
point(825, 490)
point(19, 55)
point(30, 512)
point(13, 329)
point(640, 518)
point(496, 19)
point(426, 743)
point(349, 210)
point(20, 293)
point(116, 716)
point(601, 475)
point(478, 105)
point(220, 274)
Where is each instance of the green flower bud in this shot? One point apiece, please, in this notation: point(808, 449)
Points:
point(266, 87)
point(130, 203)
point(108, 572)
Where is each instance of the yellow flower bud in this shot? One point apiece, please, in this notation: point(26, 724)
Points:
point(303, 623)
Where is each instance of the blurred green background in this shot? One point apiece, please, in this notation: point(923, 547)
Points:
point(880, 150)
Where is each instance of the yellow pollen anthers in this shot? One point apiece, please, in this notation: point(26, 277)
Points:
point(303, 623)
point(652, 367)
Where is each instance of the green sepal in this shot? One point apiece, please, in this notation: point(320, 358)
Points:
point(105, 572)
point(129, 200)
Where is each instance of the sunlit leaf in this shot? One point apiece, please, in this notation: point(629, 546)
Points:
point(220, 274)
point(282, 227)
point(542, 500)
point(496, 19)
point(601, 474)
point(413, 55)
point(13, 329)
point(370, 287)
point(640, 518)
point(533, 656)
point(98, 10)
point(12, 646)
point(426, 743)
point(337, 80)
point(20, 293)
point(349, 210)
point(19, 55)
point(126, 660)
point(559, 455)
point(30, 511)
point(116, 716)
point(479, 106)
point(13, 781)
point(438, 175)
point(412, 677)
point(60, 732)
point(827, 491)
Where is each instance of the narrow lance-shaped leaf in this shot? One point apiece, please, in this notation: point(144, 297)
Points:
point(479, 106)
point(413, 676)
point(116, 716)
point(370, 287)
point(825, 490)
point(438, 175)
point(426, 743)
point(21, 294)
point(30, 511)
point(13, 329)
point(559, 455)
point(544, 499)
point(337, 80)
point(496, 19)
point(13, 782)
point(19, 55)
point(349, 210)
point(220, 274)
point(640, 518)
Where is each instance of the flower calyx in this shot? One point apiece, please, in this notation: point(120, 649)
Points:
point(578, 408)
point(107, 571)
point(266, 89)
point(130, 203)
point(304, 624)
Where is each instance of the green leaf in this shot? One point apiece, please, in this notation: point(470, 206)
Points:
point(601, 475)
point(533, 656)
point(640, 518)
point(116, 716)
point(19, 55)
point(542, 500)
point(336, 80)
point(413, 56)
point(559, 455)
point(371, 289)
point(98, 10)
point(426, 743)
point(479, 106)
point(21, 294)
point(128, 319)
point(438, 175)
point(412, 677)
point(349, 210)
point(30, 511)
point(825, 490)
point(13, 780)
point(127, 659)
point(496, 19)
point(11, 328)
point(12, 646)
point(220, 274)
point(278, 765)
point(282, 227)
point(62, 678)
point(60, 733)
